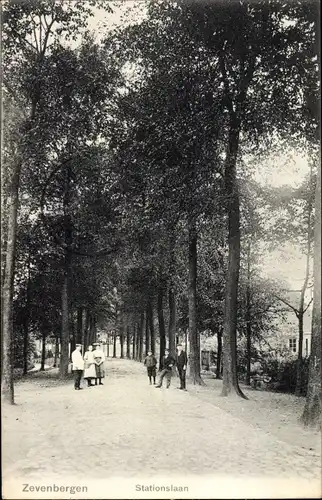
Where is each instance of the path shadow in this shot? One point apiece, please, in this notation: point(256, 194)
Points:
point(47, 378)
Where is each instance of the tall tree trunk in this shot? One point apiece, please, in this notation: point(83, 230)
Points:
point(25, 346)
point(302, 309)
point(114, 343)
point(108, 345)
point(192, 296)
point(134, 342)
point(248, 352)
point(74, 340)
point(3, 200)
point(313, 406)
point(90, 329)
point(150, 320)
point(26, 323)
point(142, 325)
point(64, 354)
point(43, 349)
point(128, 342)
point(86, 340)
point(147, 332)
point(161, 326)
point(137, 346)
point(121, 345)
point(120, 327)
point(94, 329)
point(12, 204)
point(230, 379)
point(186, 336)
point(172, 321)
point(79, 333)
point(219, 354)
point(122, 336)
point(7, 387)
point(299, 361)
point(56, 355)
point(248, 317)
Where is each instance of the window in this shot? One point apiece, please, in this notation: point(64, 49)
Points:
point(292, 345)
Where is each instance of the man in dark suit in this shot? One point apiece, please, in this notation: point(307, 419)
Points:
point(182, 361)
point(168, 363)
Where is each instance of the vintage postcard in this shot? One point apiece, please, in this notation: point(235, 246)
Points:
point(160, 249)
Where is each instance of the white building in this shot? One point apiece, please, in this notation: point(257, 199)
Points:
point(290, 329)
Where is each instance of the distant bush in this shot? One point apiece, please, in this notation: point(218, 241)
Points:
point(18, 352)
point(283, 374)
point(282, 371)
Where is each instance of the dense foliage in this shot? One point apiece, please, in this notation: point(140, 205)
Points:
point(128, 173)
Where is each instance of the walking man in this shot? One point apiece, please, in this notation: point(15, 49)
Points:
point(168, 364)
point(78, 366)
point(182, 361)
point(151, 364)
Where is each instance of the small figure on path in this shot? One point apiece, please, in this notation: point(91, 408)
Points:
point(99, 359)
point(182, 361)
point(151, 364)
point(78, 366)
point(90, 367)
point(168, 363)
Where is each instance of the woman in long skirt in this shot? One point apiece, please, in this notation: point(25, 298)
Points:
point(90, 366)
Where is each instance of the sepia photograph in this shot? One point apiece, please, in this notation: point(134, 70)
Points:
point(160, 249)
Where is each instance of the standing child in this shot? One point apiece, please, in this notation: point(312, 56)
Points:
point(99, 359)
point(151, 365)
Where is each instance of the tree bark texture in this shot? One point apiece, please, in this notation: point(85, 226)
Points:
point(142, 326)
point(150, 319)
point(7, 388)
point(134, 341)
point(299, 361)
point(79, 333)
point(128, 342)
point(86, 340)
point(172, 321)
point(43, 349)
point(219, 354)
point(56, 356)
point(64, 354)
point(230, 379)
point(302, 309)
point(313, 406)
point(26, 323)
point(114, 343)
point(161, 326)
point(122, 339)
point(73, 339)
point(194, 360)
point(147, 333)
point(248, 317)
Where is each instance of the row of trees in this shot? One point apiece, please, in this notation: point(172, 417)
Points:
point(127, 168)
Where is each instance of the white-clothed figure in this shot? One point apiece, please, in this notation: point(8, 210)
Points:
point(78, 366)
point(90, 370)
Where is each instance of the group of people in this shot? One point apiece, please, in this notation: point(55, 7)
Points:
point(168, 364)
point(91, 365)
